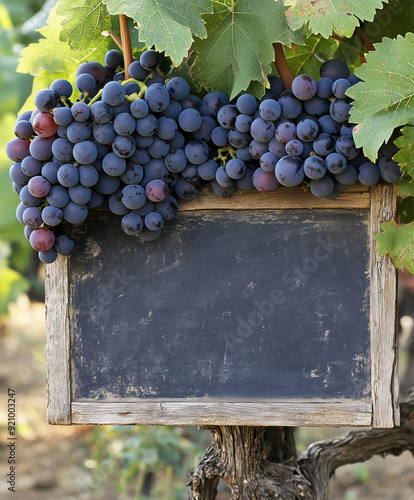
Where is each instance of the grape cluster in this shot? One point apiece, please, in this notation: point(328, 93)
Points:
point(136, 145)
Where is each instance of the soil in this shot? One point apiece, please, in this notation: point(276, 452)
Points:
point(52, 461)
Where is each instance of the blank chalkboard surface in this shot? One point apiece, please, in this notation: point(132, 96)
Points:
point(224, 305)
point(258, 317)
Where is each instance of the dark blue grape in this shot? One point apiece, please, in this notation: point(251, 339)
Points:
point(317, 106)
point(17, 175)
point(235, 168)
point(32, 217)
point(178, 88)
point(24, 130)
point(334, 69)
point(107, 184)
point(324, 88)
point(244, 154)
point(48, 256)
point(294, 148)
point(268, 162)
point(113, 93)
point(85, 82)
point(285, 132)
point(104, 134)
point(307, 130)
point(113, 165)
point(227, 115)
point(167, 128)
point(115, 203)
point(45, 100)
point(159, 148)
point(74, 213)
point(148, 125)
point(339, 110)
point(328, 125)
point(290, 105)
point(346, 146)
point(335, 163)
point(304, 87)
point(348, 177)
point(270, 110)
point(101, 112)
point(219, 136)
point(262, 130)
point(93, 68)
point(77, 132)
point(207, 171)
point(289, 171)
point(62, 116)
point(137, 72)
point(62, 88)
point(88, 175)
point(314, 167)
point(186, 190)
point(41, 148)
point(339, 88)
point(139, 108)
point(257, 149)
point(368, 174)
point(212, 102)
point(125, 124)
point(68, 175)
point(133, 174)
point(323, 145)
point(114, 59)
point(49, 172)
point(85, 152)
point(238, 139)
point(150, 60)
point(52, 216)
point(132, 224)
point(30, 167)
point(168, 208)
point(173, 110)
point(322, 187)
point(389, 169)
point(58, 196)
point(205, 130)
point(223, 192)
point(243, 123)
point(157, 98)
point(176, 161)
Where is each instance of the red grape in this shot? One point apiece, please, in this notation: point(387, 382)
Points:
point(263, 181)
point(156, 190)
point(38, 186)
point(44, 125)
point(42, 239)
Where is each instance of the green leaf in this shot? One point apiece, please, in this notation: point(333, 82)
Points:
point(405, 187)
point(396, 18)
point(11, 285)
point(384, 100)
point(238, 48)
point(405, 156)
point(50, 58)
point(83, 23)
point(327, 16)
point(169, 25)
point(398, 241)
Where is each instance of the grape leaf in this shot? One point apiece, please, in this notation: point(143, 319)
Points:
point(405, 156)
point(83, 23)
point(396, 18)
point(327, 16)
point(405, 187)
point(238, 48)
point(384, 100)
point(398, 241)
point(50, 58)
point(169, 25)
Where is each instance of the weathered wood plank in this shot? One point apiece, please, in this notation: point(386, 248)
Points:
point(356, 196)
point(286, 413)
point(384, 358)
point(58, 342)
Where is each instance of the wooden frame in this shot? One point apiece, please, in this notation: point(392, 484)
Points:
point(381, 411)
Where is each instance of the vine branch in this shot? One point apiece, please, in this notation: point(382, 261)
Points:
point(282, 66)
point(126, 43)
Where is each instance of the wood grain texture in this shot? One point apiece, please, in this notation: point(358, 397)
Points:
point(58, 342)
point(286, 413)
point(384, 347)
point(356, 196)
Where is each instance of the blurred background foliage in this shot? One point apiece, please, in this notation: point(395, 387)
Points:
point(19, 21)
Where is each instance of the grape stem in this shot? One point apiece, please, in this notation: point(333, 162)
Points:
point(223, 153)
point(126, 43)
point(282, 66)
point(116, 39)
point(132, 97)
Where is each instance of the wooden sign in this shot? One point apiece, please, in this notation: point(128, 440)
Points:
point(254, 310)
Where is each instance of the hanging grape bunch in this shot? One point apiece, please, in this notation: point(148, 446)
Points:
point(136, 145)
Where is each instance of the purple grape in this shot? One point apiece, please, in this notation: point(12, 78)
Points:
point(304, 87)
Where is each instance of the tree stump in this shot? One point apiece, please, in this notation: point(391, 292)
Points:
point(261, 463)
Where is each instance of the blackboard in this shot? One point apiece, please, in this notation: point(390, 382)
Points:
point(254, 310)
point(224, 305)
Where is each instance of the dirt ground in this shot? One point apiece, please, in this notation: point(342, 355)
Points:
point(52, 461)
